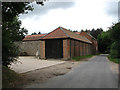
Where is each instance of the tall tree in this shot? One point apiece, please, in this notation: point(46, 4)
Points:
point(104, 42)
point(11, 30)
point(96, 32)
point(115, 37)
point(75, 31)
point(39, 32)
point(34, 33)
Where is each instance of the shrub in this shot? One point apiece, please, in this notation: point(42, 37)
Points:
point(115, 53)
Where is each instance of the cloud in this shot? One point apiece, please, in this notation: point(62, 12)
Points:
point(77, 15)
point(111, 9)
point(42, 10)
point(119, 11)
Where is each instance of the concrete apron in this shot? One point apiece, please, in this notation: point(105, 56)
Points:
point(29, 63)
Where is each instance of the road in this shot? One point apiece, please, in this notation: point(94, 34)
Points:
point(95, 73)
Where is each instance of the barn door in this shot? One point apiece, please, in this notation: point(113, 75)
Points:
point(54, 48)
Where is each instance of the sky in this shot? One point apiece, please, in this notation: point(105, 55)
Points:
point(72, 14)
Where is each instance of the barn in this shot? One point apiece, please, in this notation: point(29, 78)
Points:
point(62, 43)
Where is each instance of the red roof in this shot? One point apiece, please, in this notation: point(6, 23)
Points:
point(57, 33)
point(77, 32)
point(80, 33)
point(61, 32)
point(33, 37)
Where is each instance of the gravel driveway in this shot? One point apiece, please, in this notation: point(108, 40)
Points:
point(29, 63)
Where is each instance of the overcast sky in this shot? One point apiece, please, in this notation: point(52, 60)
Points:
point(73, 14)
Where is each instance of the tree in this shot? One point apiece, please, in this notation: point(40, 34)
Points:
point(11, 30)
point(109, 41)
point(115, 37)
point(104, 42)
point(34, 33)
point(86, 30)
point(39, 32)
point(115, 32)
point(96, 32)
point(75, 31)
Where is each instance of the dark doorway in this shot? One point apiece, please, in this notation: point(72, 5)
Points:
point(54, 48)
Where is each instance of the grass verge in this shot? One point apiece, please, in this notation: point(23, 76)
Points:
point(9, 78)
point(115, 60)
point(82, 57)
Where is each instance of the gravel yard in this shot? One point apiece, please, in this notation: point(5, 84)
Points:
point(30, 63)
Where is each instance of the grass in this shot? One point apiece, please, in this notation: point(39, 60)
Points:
point(82, 57)
point(9, 78)
point(115, 60)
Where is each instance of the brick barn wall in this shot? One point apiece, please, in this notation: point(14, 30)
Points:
point(66, 49)
point(91, 49)
point(77, 48)
point(94, 42)
point(84, 49)
point(30, 47)
point(81, 48)
point(72, 48)
point(42, 49)
point(87, 49)
point(95, 46)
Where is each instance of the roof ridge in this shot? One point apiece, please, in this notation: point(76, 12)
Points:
point(53, 31)
point(91, 35)
point(82, 37)
point(64, 32)
point(48, 33)
point(35, 35)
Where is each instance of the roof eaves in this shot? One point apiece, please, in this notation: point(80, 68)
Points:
point(64, 32)
point(42, 36)
point(87, 39)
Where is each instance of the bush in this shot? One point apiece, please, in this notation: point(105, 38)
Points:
point(115, 60)
point(115, 53)
point(9, 53)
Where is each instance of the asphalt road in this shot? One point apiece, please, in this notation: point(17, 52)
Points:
point(95, 73)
